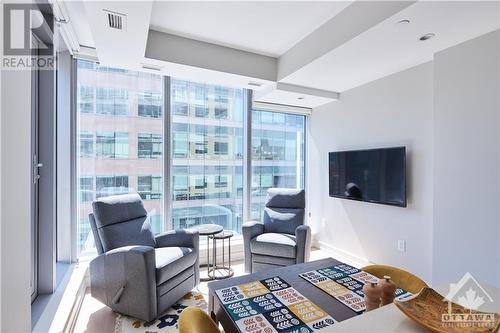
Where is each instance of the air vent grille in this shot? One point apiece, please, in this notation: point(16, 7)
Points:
point(116, 20)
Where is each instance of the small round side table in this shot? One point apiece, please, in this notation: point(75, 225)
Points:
point(208, 230)
point(223, 271)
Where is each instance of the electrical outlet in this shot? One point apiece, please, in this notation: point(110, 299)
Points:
point(401, 245)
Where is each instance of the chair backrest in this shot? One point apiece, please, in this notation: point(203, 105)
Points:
point(401, 278)
point(120, 220)
point(195, 320)
point(284, 210)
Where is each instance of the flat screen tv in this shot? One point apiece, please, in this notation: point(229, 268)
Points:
point(374, 175)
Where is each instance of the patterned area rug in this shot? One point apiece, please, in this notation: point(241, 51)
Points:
point(167, 323)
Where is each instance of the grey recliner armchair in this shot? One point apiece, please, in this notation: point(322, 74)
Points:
point(282, 239)
point(136, 273)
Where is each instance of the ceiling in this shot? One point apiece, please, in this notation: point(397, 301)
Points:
point(268, 28)
point(390, 47)
point(329, 46)
point(79, 21)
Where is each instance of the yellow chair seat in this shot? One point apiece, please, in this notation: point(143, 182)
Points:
point(195, 320)
point(401, 278)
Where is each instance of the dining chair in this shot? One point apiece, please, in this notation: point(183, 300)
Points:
point(195, 320)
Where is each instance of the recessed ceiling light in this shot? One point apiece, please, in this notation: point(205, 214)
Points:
point(427, 36)
point(405, 21)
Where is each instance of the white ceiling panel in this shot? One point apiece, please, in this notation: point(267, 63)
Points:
point(390, 47)
point(268, 28)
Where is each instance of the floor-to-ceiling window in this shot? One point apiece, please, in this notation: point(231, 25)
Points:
point(277, 155)
point(207, 155)
point(119, 140)
point(120, 148)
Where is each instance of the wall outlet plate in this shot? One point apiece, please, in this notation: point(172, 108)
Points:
point(401, 245)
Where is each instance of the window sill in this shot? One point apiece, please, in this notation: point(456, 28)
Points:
point(63, 305)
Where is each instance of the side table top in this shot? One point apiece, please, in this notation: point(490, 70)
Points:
point(223, 235)
point(208, 229)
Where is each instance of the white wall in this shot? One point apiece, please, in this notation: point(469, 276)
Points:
point(466, 167)
point(15, 214)
point(15, 147)
point(447, 113)
point(393, 111)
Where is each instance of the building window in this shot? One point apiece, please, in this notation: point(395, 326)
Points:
point(180, 109)
point(201, 111)
point(111, 145)
point(220, 113)
point(149, 187)
point(179, 91)
point(200, 182)
point(221, 148)
point(156, 223)
point(180, 187)
point(111, 185)
point(201, 147)
point(200, 93)
point(150, 104)
point(112, 101)
point(221, 181)
point(86, 189)
point(149, 145)
point(86, 144)
point(86, 99)
point(221, 95)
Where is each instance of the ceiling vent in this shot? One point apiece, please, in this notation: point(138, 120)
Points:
point(116, 20)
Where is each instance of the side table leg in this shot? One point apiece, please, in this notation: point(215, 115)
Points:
point(214, 245)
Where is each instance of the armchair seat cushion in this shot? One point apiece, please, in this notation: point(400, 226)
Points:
point(273, 244)
point(171, 261)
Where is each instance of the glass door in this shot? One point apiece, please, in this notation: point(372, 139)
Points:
point(35, 175)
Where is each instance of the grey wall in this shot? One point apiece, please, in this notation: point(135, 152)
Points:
point(466, 168)
point(393, 111)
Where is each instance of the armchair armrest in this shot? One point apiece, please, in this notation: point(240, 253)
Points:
point(185, 238)
point(303, 240)
point(125, 280)
point(250, 230)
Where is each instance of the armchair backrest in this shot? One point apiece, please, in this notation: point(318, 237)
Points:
point(284, 210)
point(120, 220)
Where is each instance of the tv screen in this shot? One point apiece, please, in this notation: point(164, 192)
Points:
point(375, 175)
